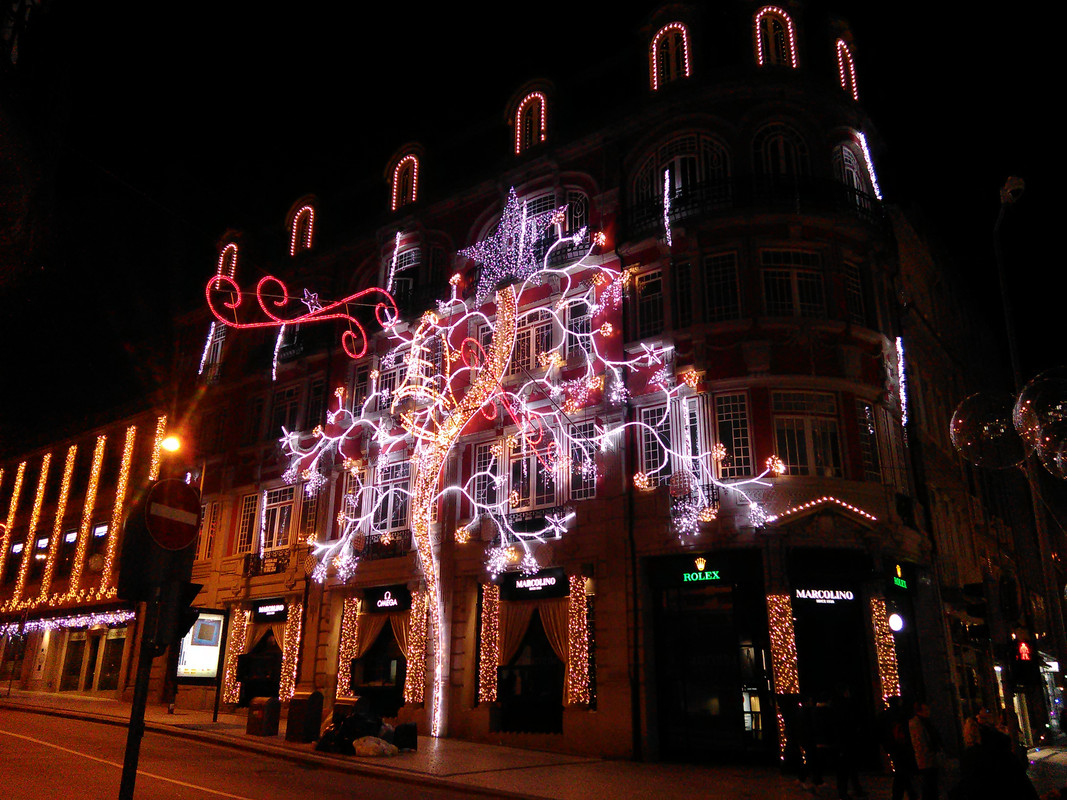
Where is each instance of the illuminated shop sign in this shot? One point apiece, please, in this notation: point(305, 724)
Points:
point(899, 580)
point(824, 595)
point(201, 648)
point(273, 610)
point(545, 583)
point(383, 599)
point(701, 573)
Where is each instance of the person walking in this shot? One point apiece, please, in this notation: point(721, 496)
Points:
point(926, 744)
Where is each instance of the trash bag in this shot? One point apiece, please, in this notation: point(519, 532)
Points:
point(373, 746)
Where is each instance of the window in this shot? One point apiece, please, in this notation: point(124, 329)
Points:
point(211, 360)
point(391, 502)
point(286, 405)
point(246, 523)
point(530, 122)
point(775, 38)
point(98, 540)
point(669, 55)
point(309, 506)
point(360, 383)
point(210, 514)
point(533, 339)
point(405, 181)
point(792, 284)
point(533, 484)
point(316, 403)
point(277, 517)
point(300, 230)
point(731, 426)
point(682, 294)
point(655, 434)
point(579, 329)
point(779, 151)
point(577, 215)
point(649, 288)
point(486, 472)
point(697, 169)
point(583, 461)
point(67, 550)
point(854, 294)
point(868, 437)
point(846, 69)
point(805, 433)
point(721, 286)
point(40, 556)
point(847, 171)
point(390, 375)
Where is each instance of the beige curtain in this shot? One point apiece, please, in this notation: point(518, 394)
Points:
point(514, 620)
point(370, 625)
point(278, 629)
point(554, 615)
point(401, 623)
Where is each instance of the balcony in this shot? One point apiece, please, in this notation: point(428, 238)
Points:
point(797, 195)
point(391, 544)
point(703, 499)
point(268, 563)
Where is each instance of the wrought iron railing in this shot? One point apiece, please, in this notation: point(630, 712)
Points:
point(268, 563)
point(391, 544)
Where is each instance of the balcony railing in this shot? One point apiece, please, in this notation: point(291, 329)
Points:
point(797, 194)
point(268, 563)
point(392, 544)
point(705, 496)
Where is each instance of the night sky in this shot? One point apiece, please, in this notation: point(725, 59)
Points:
point(142, 131)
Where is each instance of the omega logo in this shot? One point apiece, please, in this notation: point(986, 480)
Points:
point(388, 601)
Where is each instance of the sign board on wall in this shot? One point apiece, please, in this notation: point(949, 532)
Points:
point(383, 599)
point(271, 610)
point(201, 648)
point(825, 596)
point(541, 585)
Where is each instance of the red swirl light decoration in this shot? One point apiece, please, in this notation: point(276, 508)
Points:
point(223, 294)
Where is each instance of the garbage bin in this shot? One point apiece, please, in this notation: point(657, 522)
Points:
point(305, 717)
point(263, 713)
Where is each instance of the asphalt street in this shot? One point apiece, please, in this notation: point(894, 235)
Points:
point(47, 757)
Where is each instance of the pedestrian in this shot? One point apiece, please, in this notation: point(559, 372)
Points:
point(926, 744)
point(896, 741)
point(848, 735)
point(811, 766)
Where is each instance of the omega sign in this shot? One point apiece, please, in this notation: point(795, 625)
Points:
point(824, 595)
point(383, 599)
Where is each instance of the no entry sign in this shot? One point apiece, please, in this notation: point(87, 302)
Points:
point(172, 514)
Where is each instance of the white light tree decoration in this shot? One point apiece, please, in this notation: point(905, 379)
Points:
point(454, 372)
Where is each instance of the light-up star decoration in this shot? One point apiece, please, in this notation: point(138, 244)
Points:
point(396, 442)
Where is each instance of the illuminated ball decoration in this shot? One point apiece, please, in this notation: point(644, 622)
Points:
point(982, 431)
point(896, 623)
point(1040, 417)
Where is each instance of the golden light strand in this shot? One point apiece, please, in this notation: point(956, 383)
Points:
point(87, 517)
point(231, 687)
point(578, 642)
point(106, 589)
point(783, 644)
point(29, 547)
point(57, 528)
point(489, 658)
point(15, 492)
point(347, 650)
point(415, 682)
point(291, 651)
point(157, 448)
point(886, 650)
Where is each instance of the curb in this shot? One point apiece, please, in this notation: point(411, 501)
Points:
point(330, 762)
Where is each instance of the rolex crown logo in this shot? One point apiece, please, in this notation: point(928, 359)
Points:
point(701, 563)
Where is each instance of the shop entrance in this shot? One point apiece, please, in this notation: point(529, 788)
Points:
point(530, 686)
point(92, 660)
point(378, 676)
point(260, 670)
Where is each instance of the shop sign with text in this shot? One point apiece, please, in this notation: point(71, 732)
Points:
point(272, 610)
point(541, 585)
point(826, 596)
point(383, 599)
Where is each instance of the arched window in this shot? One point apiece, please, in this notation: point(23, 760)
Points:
point(778, 151)
point(848, 171)
point(846, 69)
point(776, 38)
point(227, 260)
point(300, 229)
point(693, 165)
point(669, 55)
point(405, 181)
point(530, 122)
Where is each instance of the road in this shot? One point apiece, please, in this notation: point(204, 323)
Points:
point(46, 758)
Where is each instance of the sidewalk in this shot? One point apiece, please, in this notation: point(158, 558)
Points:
point(480, 769)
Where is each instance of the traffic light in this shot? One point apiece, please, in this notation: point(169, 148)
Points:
point(1024, 664)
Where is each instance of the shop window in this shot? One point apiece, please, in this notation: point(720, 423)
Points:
point(533, 484)
point(583, 461)
point(277, 518)
point(533, 339)
point(846, 69)
point(405, 181)
point(392, 498)
point(805, 431)
point(792, 284)
point(731, 429)
point(776, 38)
point(649, 288)
point(530, 686)
point(300, 230)
point(722, 289)
point(530, 122)
point(868, 437)
point(246, 523)
point(669, 55)
point(779, 151)
point(655, 436)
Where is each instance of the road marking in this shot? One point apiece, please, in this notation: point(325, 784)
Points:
point(116, 764)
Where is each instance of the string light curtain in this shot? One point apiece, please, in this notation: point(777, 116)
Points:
point(577, 685)
point(886, 650)
point(290, 652)
point(489, 652)
point(350, 618)
point(415, 684)
point(231, 687)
